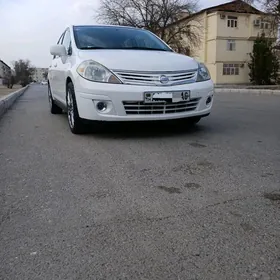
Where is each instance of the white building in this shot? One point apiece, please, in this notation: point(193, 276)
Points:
point(39, 74)
point(5, 70)
point(227, 39)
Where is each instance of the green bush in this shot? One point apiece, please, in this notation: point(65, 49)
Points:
point(264, 63)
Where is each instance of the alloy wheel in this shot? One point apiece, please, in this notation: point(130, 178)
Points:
point(50, 96)
point(70, 109)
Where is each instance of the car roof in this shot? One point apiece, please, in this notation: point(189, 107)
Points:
point(105, 25)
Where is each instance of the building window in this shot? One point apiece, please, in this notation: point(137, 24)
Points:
point(265, 25)
point(231, 45)
point(230, 69)
point(231, 21)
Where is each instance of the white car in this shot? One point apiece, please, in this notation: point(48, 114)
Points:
point(44, 83)
point(117, 73)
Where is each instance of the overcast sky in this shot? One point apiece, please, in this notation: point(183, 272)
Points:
point(29, 27)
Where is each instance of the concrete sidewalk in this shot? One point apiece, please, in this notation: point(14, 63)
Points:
point(7, 101)
point(254, 91)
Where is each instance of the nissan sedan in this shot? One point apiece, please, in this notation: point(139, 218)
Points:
point(116, 73)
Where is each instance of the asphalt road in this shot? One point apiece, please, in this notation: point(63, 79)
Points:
point(141, 202)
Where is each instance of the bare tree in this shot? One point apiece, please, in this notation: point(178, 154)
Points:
point(250, 2)
point(23, 71)
point(272, 8)
point(159, 16)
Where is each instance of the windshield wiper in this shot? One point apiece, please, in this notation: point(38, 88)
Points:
point(92, 48)
point(147, 49)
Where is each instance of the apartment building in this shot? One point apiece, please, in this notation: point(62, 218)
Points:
point(228, 32)
point(5, 70)
point(39, 74)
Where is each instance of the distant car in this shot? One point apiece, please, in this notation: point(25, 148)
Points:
point(116, 73)
point(44, 83)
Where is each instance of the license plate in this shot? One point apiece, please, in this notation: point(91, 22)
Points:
point(167, 96)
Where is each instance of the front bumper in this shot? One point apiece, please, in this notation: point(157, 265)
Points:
point(88, 94)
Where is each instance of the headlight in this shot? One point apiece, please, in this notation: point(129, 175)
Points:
point(202, 73)
point(95, 72)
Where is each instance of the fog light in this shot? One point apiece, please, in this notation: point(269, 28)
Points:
point(208, 100)
point(101, 106)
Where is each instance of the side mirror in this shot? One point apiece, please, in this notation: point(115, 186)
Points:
point(58, 50)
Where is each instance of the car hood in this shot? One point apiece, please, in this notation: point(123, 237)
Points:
point(140, 60)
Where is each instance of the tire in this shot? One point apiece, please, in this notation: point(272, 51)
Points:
point(53, 107)
point(76, 124)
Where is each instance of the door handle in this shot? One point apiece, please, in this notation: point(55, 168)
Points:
point(55, 65)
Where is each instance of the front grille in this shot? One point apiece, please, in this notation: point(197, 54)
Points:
point(152, 78)
point(141, 108)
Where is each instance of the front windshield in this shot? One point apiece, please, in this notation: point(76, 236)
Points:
point(108, 37)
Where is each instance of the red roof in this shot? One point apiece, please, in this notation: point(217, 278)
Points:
point(236, 6)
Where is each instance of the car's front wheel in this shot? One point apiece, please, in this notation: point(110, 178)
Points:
point(75, 122)
point(53, 107)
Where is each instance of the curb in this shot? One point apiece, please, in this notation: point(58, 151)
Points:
point(7, 101)
point(248, 91)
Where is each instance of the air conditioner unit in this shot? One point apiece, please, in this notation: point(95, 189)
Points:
point(222, 16)
point(257, 22)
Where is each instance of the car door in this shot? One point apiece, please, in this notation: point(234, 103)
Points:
point(53, 74)
point(63, 64)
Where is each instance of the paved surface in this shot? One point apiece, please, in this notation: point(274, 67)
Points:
point(141, 203)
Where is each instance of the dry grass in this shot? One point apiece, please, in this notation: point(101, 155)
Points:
point(4, 90)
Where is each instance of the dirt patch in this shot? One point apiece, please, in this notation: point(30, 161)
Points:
point(197, 145)
point(272, 196)
point(192, 186)
point(247, 227)
point(170, 190)
point(235, 214)
point(205, 164)
point(5, 91)
point(268, 174)
point(195, 168)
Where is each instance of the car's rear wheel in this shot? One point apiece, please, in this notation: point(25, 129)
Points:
point(76, 124)
point(53, 107)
